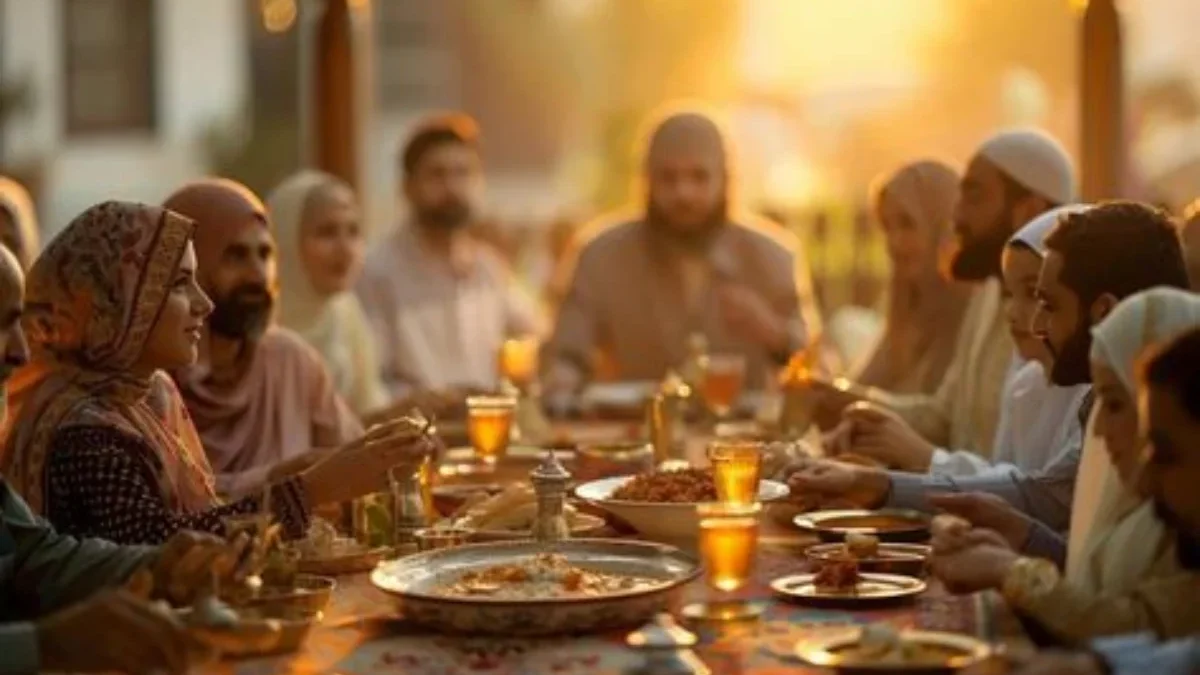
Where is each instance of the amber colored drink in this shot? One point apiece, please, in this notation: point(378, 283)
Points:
point(721, 384)
point(727, 545)
point(489, 425)
point(736, 470)
point(519, 360)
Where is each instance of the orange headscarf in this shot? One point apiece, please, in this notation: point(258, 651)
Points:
point(92, 299)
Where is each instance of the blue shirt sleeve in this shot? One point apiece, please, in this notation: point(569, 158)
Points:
point(1141, 655)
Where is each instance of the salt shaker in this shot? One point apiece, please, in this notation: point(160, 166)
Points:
point(550, 485)
point(666, 649)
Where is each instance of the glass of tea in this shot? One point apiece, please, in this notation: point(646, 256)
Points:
point(489, 426)
point(518, 360)
point(737, 466)
point(721, 382)
point(728, 543)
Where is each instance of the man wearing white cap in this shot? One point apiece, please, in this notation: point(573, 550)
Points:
point(1012, 178)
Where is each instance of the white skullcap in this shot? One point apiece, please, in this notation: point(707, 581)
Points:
point(1034, 233)
point(1035, 160)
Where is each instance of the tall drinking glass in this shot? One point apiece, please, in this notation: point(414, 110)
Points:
point(737, 466)
point(721, 382)
point(519, 361)
point(728, 542)
point(489, 426)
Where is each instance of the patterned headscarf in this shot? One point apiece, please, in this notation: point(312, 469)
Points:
point(92, 299)
point(15, 199)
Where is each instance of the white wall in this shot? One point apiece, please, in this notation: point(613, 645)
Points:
point(202, 78)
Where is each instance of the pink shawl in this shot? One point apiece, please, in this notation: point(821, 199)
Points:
point(282, 401)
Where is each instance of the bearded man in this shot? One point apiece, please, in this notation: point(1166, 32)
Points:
point(260, 396)
point(640, 287)
point(440, 301)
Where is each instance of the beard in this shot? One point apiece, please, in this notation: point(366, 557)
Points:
point(978, 256)
point(1072, 365)
point(690, 237)
point(452, 213)
point(243, 313)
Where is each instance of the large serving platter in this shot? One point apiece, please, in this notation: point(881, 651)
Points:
point(413, 581)
point(660, 520)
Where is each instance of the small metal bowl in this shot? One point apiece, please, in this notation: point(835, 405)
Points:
point(434, 538)
point(307, 592)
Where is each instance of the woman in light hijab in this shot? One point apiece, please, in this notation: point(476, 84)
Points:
point(316, 217)
point(18, 222)
point(1127, 578)
point(1038, 421)
point(925, 309)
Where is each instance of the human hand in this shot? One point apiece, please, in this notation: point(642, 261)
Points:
point(978, 560)
point(821, 482)
point(189, 562)
point(750, 316)
point(830, 400)
point(362, 467)
point(881, 434)
point(986, 510)
point(114, 630)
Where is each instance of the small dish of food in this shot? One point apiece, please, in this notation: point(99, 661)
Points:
point(306, 592)
point(661, 504)
point(325, 552)
point(890, 525)
point(872, 555)
point(881, 648)
point(509, 515)
point(248, 631)
point(841, 583)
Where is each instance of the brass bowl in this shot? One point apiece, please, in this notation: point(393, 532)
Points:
point(307, 592)
point(259, 631)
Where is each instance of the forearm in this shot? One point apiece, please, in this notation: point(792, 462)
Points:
point(1045, 543)
point(1044, 497)
point(960, 463)
point(19, 649)
point(50, 570)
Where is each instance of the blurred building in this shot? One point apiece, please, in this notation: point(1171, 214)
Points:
point(119, 94)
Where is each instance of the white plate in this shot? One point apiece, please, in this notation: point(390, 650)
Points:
point(871, 588)
point(833, 651)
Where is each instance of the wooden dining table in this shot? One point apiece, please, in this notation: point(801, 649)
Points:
point(364, 633)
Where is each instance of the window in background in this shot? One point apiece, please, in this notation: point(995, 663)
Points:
point(109, 65)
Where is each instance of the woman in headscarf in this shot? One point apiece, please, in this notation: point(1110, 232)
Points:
point(18, 222)
point(925, 309)
point(100, 442)
point(1127, 578)
point(316, 219)
point(1038, 421)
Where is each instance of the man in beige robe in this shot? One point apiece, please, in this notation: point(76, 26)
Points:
point(638, 288)
point(441, 302)
point(1014, 176)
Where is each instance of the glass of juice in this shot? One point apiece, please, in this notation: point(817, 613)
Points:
point(728, 544)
